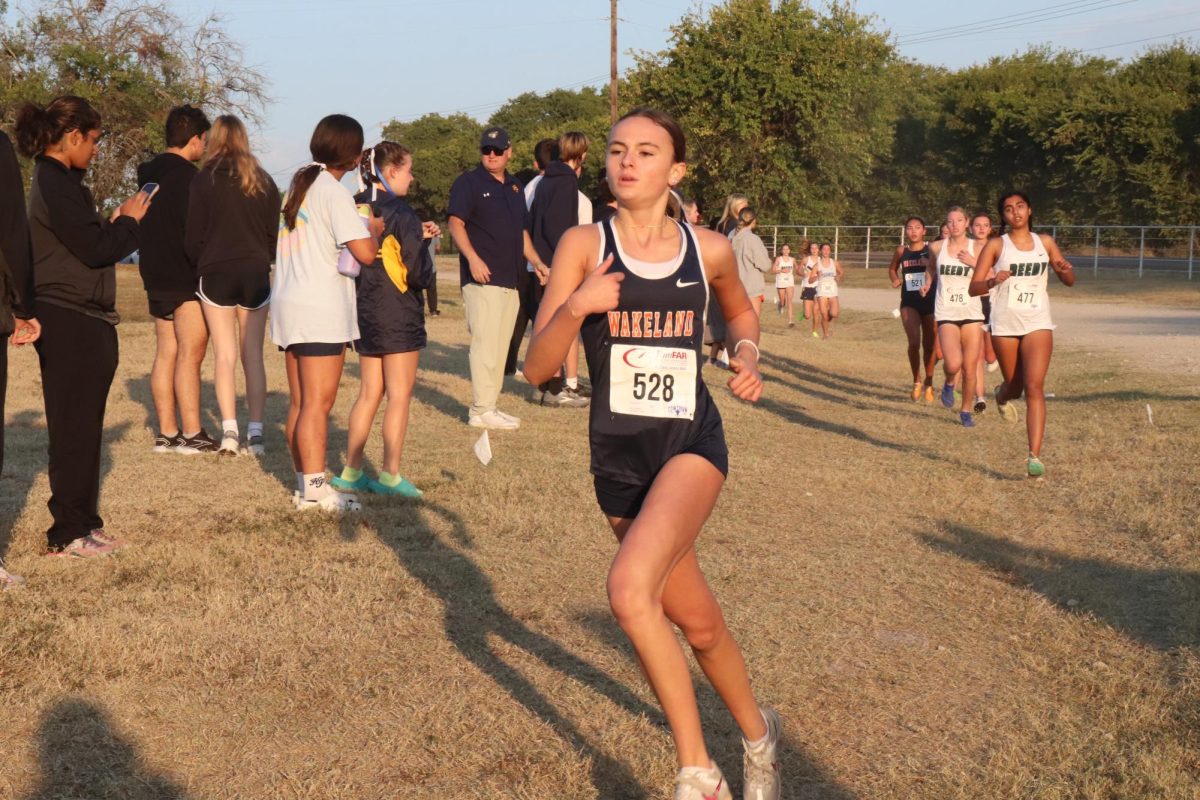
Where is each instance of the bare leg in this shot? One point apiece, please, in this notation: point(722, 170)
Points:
point(319, 376)
point(222, 327)
point(1036, 349)
point(972, 347)
point(789, 295)
point(362, 415)
point(292, 362)
point(833, 310)
point(929, 346)
point(399, 377)
point(162, 376)
point(253, 327)
point(646, 579)
point(951, 341)
point(910, 318)
point(191, 340)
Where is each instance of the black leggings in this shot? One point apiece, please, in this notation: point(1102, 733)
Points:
point(78, 356)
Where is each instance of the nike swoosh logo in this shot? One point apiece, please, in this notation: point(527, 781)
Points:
point(680, 283)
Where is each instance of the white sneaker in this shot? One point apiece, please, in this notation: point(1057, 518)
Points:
point(229, 444)
point(336, 502)
point(993, 366)
point(514, 420)
point(760, 763)
point(697, 783)
point(494, 420)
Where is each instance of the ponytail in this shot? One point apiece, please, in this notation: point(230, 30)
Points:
point(37, 128)
point(336, 143)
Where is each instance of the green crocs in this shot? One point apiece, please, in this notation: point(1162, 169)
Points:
point(404, 489)
point(1035, 467)
point(343, 485)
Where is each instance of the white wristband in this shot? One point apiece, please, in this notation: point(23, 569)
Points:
point(741, 342)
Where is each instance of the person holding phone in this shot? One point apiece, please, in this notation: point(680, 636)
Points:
point(75, 293)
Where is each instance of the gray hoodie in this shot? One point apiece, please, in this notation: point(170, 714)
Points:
point(753, 260)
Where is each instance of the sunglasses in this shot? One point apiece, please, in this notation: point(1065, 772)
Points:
point(492, 151)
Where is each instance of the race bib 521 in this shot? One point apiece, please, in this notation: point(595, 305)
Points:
point(652, 381)
point(913, 281)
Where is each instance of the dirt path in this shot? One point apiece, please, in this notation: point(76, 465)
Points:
point(1163, 338)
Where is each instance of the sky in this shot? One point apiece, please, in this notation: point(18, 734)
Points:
point(379, 60)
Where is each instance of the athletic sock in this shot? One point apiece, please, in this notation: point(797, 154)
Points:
point(572, 383)
point(171, 435)
point(390, 480)
point(187, 435)
point(351, 474)
point(709, 778)
point(315, 485)
point(254, 429)
point(229, 426)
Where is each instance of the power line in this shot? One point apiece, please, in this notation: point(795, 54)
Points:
point(1139, 41)
point(960, 26)
point(977, 29)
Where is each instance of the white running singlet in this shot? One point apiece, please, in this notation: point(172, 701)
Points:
point(954, 303)
point(810, 274)
point(786, 280)
point(827, 285)
point(1021, 304)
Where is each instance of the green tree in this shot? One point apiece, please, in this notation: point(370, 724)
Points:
point(787, 105)
point(443, 148)
point(133, 60)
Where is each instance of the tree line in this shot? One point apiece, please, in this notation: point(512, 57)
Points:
point(811, 113)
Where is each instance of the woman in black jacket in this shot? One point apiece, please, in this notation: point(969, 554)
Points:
point(232, 227)
point(75, 293)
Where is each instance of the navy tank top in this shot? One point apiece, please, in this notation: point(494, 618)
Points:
point(649, 401)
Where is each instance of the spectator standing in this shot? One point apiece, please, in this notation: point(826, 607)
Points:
point(233, 225)
point(530, 282)
point(75, 291)
point(170, 282)
point(16, 287)
point(488, 224)
point(753, 260)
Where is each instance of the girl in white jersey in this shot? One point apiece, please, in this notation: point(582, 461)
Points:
point(958, 314)
point(784, 270)
point(829, 275)
point(1017, 266)
point(808, 286)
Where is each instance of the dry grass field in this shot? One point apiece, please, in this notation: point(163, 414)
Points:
point(929, 623)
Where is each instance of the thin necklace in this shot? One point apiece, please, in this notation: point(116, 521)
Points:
point(641, 227)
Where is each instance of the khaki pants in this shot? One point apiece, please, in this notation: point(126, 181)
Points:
point(491, 314)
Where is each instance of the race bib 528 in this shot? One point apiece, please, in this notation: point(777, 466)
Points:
point(652, 381)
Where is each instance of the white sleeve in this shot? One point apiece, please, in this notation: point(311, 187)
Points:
point(344, 220)
point(585, 210)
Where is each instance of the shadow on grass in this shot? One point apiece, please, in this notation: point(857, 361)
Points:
point(475, 618)
point(802, 776)
point(793, 413)
point(81, 756)
point(1126, 396)
point(1158, 607)
point(830, 380)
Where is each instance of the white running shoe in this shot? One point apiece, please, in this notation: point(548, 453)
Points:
point(514, 420)
point(493, 420)
point(760, 764)
point(229, 444)
point(335, 502)
point(993, 366)
point(697, 783)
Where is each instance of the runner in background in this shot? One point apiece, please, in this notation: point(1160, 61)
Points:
point(1018, 266)
point(982, 232)
point(908, 273)
point(829, 275)
point(784, 270)
point(808, 286)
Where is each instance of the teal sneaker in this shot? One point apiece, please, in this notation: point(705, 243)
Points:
point(404, 489)
point(343, 485)
point(1034, 466)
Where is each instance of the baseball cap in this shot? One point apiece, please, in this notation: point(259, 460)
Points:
point(495, 136)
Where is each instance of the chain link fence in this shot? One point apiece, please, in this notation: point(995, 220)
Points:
point(1167, 250)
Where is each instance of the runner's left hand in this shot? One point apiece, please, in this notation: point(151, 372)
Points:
point(746, 383)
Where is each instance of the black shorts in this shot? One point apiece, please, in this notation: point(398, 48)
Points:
point(987, 309)
point(316, 348)
point(163, 304)
point(808, 293)
point(620, 499)
point(250, 290)
point(922, 305)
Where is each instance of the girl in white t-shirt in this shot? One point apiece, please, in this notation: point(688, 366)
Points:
point(313, 311)
point(1017, 266)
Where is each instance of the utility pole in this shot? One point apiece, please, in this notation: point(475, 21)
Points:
point(612, 63)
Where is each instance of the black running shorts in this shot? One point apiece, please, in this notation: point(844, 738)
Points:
point(250, 290)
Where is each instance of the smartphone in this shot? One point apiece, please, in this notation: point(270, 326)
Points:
point(150, 189)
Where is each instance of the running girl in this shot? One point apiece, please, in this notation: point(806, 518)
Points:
point(981, 231)
point(391, 320)
point(1017, 266)
point(784, 270)
point(314, 317)
point(907, 271)
point(658, 447)
point(808, 286)
point(232, 228)
point(829, 275)
point(959, 314)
